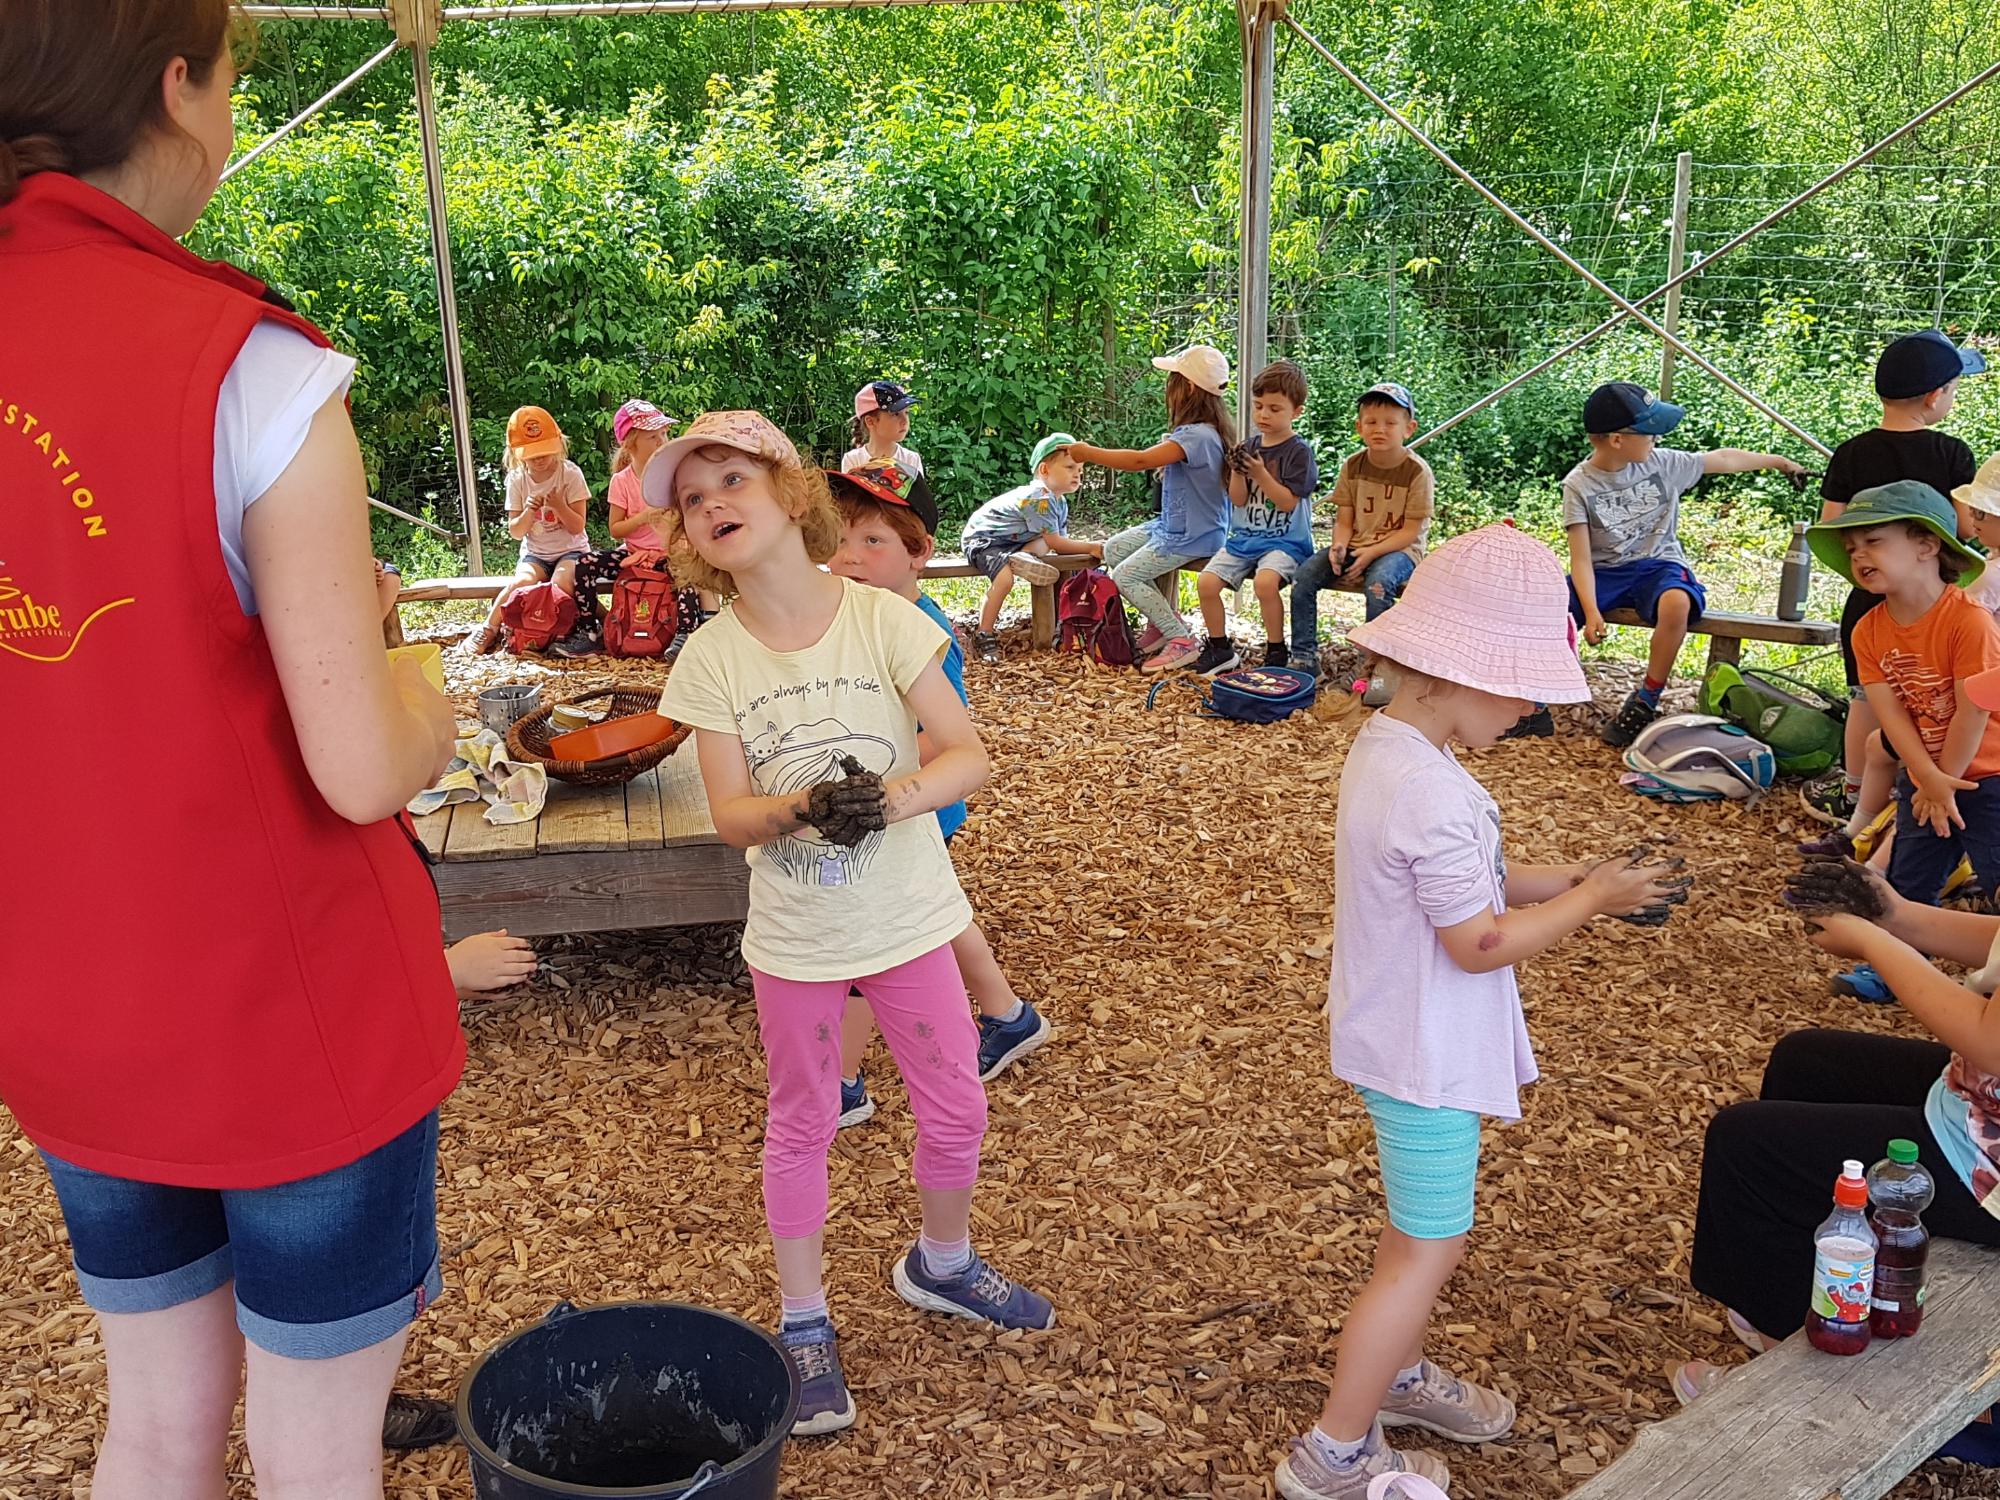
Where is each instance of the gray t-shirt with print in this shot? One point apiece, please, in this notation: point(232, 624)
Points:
point(1634, 513)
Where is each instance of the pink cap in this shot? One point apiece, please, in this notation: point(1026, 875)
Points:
point(1488, 610)
point(746, 431)
point(642, 415)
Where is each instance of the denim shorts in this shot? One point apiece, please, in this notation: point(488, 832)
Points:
point(323, 1266)
point(991, 557)
point(1430, 1165)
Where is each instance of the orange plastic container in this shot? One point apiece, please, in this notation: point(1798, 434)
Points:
point(612, 737)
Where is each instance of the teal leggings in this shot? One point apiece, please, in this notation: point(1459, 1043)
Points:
point(1430, 1163)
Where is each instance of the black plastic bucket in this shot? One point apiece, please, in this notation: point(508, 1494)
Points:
point(643, 1400)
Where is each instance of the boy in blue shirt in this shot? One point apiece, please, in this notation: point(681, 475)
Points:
point(1011, 535)
point(1271, 480)
point(890, 521)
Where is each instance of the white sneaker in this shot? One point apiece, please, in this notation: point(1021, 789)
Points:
point(1030, 568)
point(1304, 1475)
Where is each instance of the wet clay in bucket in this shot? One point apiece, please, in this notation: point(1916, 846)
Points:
point(636, 1399)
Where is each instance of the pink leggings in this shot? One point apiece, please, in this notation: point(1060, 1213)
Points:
point(920, 1007)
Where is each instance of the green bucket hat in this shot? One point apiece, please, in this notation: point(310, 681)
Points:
point(1045, 447)
point(1905, 500)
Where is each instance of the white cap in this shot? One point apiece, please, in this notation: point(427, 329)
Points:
point(1983, 494)
point(1203, 364)
point(1851, 1169)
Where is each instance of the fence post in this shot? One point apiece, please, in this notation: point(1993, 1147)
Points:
point(1676, 259)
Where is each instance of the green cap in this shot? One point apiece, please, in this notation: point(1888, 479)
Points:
point(1905, 500)
point(1903, 1152)
point(1045, 447)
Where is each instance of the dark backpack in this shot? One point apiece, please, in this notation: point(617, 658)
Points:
point(1255, 695)
point(645, 615)
point(537, 615)
point(1090, 617)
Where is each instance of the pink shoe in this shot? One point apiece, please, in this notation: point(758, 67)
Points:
point(1181, 651)
point(1149, 640)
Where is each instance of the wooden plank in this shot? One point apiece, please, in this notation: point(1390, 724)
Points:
point(684, 815)
point(1796, 1424)
point(1748, 627)
point(642, 811)
point(950, 567)
point(1042, 615)
point(433, 829)
point(558, 893)
point(580, 818)
point(473, 838)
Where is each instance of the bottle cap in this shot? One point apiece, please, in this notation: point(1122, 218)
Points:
point(1903, 1153)
point(1851, 1191)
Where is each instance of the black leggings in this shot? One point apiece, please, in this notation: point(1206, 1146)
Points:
point(1768, 1170)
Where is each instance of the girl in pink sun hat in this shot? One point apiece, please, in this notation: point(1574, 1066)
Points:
point(1428, 923)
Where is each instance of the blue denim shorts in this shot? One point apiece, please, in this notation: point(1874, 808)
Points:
point(323, 1266)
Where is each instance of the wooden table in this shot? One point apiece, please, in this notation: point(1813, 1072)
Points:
point(644, 854)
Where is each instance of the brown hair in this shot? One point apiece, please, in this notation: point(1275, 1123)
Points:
point(900, 519)
point(1283, 378)
point(1949, 567)
point(801, 491)
point(80, 83)
point(1188, 404)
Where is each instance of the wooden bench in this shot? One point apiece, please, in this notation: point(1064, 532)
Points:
point(644, 854)
point(1726, 632)
point(1796, 1424)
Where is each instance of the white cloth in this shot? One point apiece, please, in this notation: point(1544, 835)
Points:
point(275, 388)
point(1416, 848)
point(818, 911)
point(861, 458)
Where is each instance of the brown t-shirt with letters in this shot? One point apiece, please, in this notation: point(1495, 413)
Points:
point(1383, 499)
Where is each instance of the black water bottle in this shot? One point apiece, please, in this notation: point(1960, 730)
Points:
point(1796, 580)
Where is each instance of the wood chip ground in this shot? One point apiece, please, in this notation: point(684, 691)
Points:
point(1177, 1169)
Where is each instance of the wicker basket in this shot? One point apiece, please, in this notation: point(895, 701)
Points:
point(528, 741)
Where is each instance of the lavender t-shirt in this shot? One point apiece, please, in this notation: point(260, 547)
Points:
point(1416, 848)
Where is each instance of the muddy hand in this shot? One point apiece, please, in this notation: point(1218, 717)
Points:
point(1827, 887)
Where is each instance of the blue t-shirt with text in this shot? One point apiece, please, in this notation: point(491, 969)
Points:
point(952, 818)
point(1259, 526)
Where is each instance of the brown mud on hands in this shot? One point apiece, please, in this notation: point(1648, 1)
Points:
point(845, 812)
point(1826, 887)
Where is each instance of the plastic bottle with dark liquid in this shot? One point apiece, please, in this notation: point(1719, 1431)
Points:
point(1899, 1190)
point(1843, 1282)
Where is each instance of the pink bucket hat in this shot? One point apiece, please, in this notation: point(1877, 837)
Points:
point(640, 415)
point(748, 432)
point(1487, 610)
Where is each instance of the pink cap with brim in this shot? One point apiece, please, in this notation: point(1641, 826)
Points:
point(1487, 610)
point(748, 432)
point(1983, 688)
point(641, 416)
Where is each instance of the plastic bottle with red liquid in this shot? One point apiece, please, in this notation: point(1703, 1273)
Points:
point(1899, 1190)
point(1843, 1282)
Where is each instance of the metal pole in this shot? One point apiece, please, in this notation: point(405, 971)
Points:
point(1253, 305)
point(1520, 223)
point(305, 114)
point(1676, 261)
point(454, 365)
point(403, 515)
point(1846, 169)
point(317, 12)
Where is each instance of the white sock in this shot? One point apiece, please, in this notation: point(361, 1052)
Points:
point(1333, 1450)
point(945, 1257)
point(1408, 1380)
point(797, 1311)
point(1020, 1009)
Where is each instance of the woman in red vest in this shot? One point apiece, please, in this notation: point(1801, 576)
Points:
point(226, 1021)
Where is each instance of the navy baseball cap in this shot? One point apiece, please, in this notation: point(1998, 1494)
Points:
point(1918, 363)
point(1622, 406)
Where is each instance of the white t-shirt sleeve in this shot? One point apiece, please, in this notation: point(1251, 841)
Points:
point(275, 388)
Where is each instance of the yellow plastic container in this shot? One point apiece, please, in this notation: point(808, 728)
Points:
point(429, 657)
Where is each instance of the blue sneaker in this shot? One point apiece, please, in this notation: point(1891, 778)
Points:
point(1004, 1043)
point(1865, 985)
point(978, 1292)
point(855, 1105)
point(824, 1402)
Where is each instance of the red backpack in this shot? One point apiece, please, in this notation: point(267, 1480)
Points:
point(537, 615)
point(1090, 617)
point(644, 615)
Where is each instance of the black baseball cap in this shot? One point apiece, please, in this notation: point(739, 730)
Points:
point(1918, 363)
point(1622, 406)
point(892, 484)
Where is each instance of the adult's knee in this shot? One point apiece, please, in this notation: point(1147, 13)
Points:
point(1798, 1062)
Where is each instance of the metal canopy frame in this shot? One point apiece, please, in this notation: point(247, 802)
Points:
point(417, 25)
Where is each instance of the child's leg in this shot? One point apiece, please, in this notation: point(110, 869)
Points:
point(174, 1376)
point(1209, 587)
point(1862, 726)
point(920, 1006)
point(1980, 838)
point(1383, 1333)
point(1919, 861)
point(1878, 784)
point(564, 576)
point(798, 1021)
point(996, 595)
point(1315, 574)
point(1382, 582)
point(527, 571)
point(991, 994)
point(1139, 566)
point(1269, 584)
point(1672, 614)
point(857, 1025)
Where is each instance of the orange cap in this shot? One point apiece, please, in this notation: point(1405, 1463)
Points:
point(1850, 1189)
point(532, 432)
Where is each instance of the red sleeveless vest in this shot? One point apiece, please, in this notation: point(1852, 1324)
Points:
point(207, 977)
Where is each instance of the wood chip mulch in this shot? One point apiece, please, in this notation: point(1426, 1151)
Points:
point(1177, 1169)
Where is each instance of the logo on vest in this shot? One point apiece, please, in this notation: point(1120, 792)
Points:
point(37, 630)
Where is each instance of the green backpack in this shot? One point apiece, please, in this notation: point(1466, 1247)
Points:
point(1801, 724)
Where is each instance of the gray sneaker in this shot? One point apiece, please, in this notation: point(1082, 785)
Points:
point(1031, 569)
point(1304, 1475)
point(824, 1402)
point(1452, 1408)
point(986, 645)
point(1305, 661)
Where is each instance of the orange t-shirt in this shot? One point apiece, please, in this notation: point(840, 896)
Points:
point(1923, 664)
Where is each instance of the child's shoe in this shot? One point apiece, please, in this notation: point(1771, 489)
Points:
point(824, 1402)
point(482, 642)
point(1307, 1474)
point(1217, 655)
point(1031, 569)
point(978, 1292)
point(1695, 1379)
point(1306, 662)
point(1276, 654)
point(1179, 652)
point(1634, 715)
point(1004, 1043)
point(1537, 725)
point(1452, 1408)
point(413, 1422)
point(1862, 983)
point(1149, 641)
point(855, 1105)
point(987, 645)
point(1835, 845)
point(1829, 799)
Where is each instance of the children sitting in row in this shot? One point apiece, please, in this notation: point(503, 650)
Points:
point(1010, 535)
